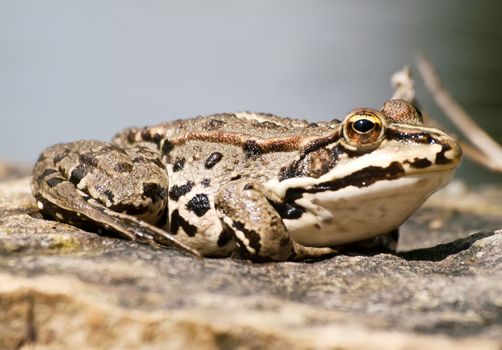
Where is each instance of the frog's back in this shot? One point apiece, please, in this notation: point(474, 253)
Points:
point(265, 125)
point(245, 124)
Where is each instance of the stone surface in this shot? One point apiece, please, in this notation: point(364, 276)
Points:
point(61, 287)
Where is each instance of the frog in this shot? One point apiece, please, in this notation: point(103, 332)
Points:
point(251, 185)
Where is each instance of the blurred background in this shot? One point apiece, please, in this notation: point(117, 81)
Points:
point(87, 69)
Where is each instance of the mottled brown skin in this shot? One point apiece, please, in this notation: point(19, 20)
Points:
point(235, 179)
point(199, 184)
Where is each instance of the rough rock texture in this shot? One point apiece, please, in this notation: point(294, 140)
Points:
point(61, 287)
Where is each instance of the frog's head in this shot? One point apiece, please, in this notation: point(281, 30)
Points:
point(395, 136)
point(368, 178)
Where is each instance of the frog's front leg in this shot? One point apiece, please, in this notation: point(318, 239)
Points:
point(245, 209)
point(99, 185)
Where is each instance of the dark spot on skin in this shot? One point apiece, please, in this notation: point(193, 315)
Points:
point(213, 159)
point(225, 237)
point(420, 163)
point(78, 173)
point(157, 138)
point(252, 236)
point(109, 194)
point(123, 167)
point(199, 204)
point(177, 191)
point(288, 210)
point(167, 147)
point(88, 159)
point(154, 191)
point(46, 173)
point(59, 157)
point(178, 221)
point(148, 137)
point(129, 208)
point(54, 181)
point(178, 164)
point(205, 182)
point(145, 135)
point(251, 148)
point(131, 137)
point(235, 177)
point(317, 226)
point(440, 156)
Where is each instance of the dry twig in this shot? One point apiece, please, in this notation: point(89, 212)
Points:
point(485, 151)
point(404, 85)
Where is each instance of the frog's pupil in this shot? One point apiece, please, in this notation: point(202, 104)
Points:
point(363, 125)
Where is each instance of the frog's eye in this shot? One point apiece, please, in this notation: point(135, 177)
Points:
point(363, 127)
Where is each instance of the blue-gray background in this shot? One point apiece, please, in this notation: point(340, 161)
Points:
point(86, 69)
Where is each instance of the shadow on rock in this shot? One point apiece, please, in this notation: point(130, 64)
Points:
point(442, 251)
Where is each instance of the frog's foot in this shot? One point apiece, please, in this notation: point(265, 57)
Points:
point(258, 230)
point(302, 252)
point(245, 210)
point(94, 184)
point(382, 244)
